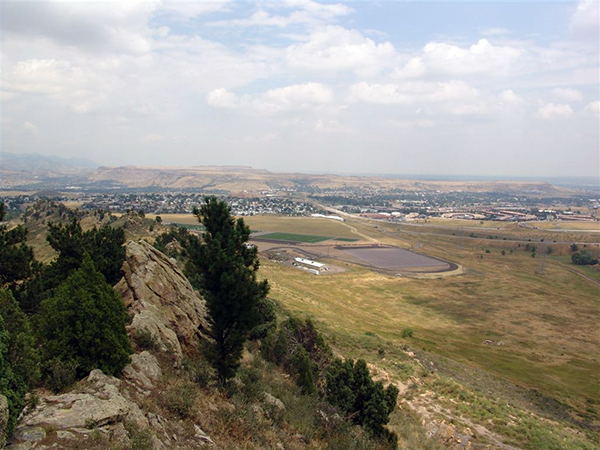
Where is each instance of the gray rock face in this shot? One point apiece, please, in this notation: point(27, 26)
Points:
point(95, 403)
point(161, 299)
point(3, 418)
point(143, 371)
point(30, 434)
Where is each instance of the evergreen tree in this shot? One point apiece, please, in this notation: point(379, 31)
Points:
point(22, 353)
point(224, 269)
point(105, 245)
point(17, 261)
point(84, 323)
point(350, 388)
point(18, 357)
point(302, 351)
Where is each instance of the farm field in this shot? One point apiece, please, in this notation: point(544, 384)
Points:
point(302, 225)
point(292, 237)
point(496, 225)
point(546, 321)
point(188, 219)
point(499, 230)
point(564, 225)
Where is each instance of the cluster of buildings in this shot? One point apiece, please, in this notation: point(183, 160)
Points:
point(184, 203)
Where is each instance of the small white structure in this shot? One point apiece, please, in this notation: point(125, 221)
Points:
point(312, 266)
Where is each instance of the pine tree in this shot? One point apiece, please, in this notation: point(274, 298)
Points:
point(16, 258)
point(84, 323)
point(224, 269)
point(18, 356)
point(351, 388)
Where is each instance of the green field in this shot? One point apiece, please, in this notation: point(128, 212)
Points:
point(295, 237)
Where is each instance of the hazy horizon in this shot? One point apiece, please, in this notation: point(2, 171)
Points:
point(502, 89)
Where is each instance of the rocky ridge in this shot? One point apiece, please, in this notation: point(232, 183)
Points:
point(102, 411)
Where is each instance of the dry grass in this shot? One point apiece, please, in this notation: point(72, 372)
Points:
point(301, 225)
point(547, 322)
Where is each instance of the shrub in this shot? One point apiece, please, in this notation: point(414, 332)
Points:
point(84, 323)
point(407, 333)
point(179, 399)
point(145, 339)
point(288, 346)
point(60, 374)
point(350, 388)
point(303, 366)
point(199, 371)
point(583, 258)
point(140, 439)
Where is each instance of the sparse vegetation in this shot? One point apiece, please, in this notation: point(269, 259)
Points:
point(145, 339)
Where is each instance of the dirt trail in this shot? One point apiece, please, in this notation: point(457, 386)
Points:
point(358, 233)
point(440, 421)
point(596, 282)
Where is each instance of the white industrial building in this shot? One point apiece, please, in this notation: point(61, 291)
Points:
point(312, 266)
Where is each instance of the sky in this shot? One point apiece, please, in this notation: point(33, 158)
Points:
point(388, 87)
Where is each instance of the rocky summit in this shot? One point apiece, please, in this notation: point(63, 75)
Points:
point(160, 299)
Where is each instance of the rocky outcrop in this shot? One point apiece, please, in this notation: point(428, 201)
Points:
point(95, 402)
point(160, 298)
point(98, 405)
point(143, 371)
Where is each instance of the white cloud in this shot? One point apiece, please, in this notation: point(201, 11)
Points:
point(510, 98)
point(29, 129)
point(552, 111)
point(222, 98)
point(330, 126)
point(99, 27)
point(585, 21)
point(290, 98)
point(567, 94)
point(409, 93)
point(482, 58)
point(414, 68)
point(41, 76)
point(300, 94)
point(593, 108)
point(333, 49)
point(153, 137)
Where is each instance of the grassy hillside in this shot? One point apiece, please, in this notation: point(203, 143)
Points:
point(515, 319)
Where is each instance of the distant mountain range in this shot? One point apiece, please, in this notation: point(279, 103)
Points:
point(41, 164)
point(39, 171)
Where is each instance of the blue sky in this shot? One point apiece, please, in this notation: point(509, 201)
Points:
point(449, 88)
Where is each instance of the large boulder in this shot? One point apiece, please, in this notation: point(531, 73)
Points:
point(96, 401)
point(160, 298)
point(143, 371)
